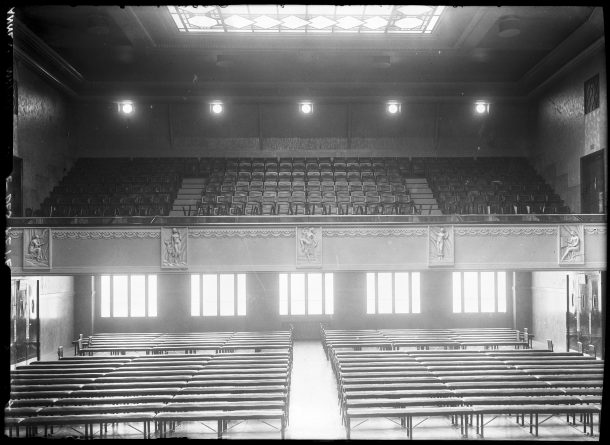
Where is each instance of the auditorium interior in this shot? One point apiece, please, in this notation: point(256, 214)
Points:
point(319, 222)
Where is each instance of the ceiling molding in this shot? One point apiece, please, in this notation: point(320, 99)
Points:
point(132, 27)
point(582, 42)
point(23, 56)
point(28, 43)
point(481, 23)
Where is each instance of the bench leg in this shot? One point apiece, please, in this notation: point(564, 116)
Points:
point(410, 427)
point(536, 417)
point(283, 427)
point(347, 427)
point(220, 429)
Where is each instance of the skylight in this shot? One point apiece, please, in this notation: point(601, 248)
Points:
point(307, 19)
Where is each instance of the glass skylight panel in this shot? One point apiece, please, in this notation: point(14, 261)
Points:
point(367, 19)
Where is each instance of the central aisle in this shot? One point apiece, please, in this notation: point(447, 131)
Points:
point(314, 409)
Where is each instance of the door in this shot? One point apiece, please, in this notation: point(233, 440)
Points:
point(592, 183)
point(24, 320)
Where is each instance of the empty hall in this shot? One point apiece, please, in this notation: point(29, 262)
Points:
point(305, 222)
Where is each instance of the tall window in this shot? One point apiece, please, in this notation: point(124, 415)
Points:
point(479, 292)
point(306, 293)
point(129, 295)
point(218, 294)
point(392, 293)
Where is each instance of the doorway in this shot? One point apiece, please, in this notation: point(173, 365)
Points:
point(593, 184)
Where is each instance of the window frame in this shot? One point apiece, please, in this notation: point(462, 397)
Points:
point(323, 289)
point(374, 285)
point(147, 296)
point(237, 299)
point(496, 301)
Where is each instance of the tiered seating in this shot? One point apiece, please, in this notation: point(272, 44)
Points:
point(154, 390)
point(116, 187)
point(300, 186)
point(490, 186)
point(466, 385)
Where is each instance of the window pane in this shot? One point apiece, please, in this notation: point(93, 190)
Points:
point(384, 292)
point(457, 292)
point(152, 295)
point(328, 294)
point(283, 294)
point(370, 293)
point(227, 294)
point(138, 296)
point(297, 294)
point(119, 296)
point(471, 291)
point(501, 276)
point(105, 300)
point(195, 296)
point(401, 293)
point(209, 287)
point(488, 292)
point(314, 293)
point(415, 308)
point(241, 294)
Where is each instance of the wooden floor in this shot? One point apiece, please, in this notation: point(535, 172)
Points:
point(314, 414)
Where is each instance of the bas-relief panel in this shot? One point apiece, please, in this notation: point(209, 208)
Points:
point(37, 248)
point(174, 244)
point(308, 247)
point(570, 245)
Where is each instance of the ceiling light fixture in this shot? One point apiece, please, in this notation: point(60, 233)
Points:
point(481, 107)
point(216, 107)
point(393, 107)
point(126, 107)
point(306, 107)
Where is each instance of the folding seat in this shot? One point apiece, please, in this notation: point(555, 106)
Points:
point(339, 166)
point(298, 195)
point(315, 204)
point(245, 165)
point(312, 175)
point(257, 176)
point(285, 166)
point(270, 176)
point(327, 186)
point(258, 166)
point(227, 188)
point(353, 176)
point(284, 176)
point(283, 208)
point(270, 186)
point(325, 166)
point(369, 187)
point(223, 203)
point(341, 186)
point(298, 166)
point(372, 204)
point(230, 176)
point(242, 186)
point(387, 188)
point(253, 204)
point(313, 194)
point(271, 167)
point(299, 160)
point(358, 203)
point(284, 196)
point(268, 205)
point(327, 176)
point(312, 166)
point(367, 176)
point(243, 176)
point(523, 197)
point(256, 185)
point(388, 204)
point(238, 203)
point(298, 176)
point(299, 206)
point(354, 187)
point(314, 183)
point(298, 186)
point(340, 176)
point(284, 186)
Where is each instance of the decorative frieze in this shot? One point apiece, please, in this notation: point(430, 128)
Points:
point(441, 246)
point(309, 246)
point(242, 233)
point(506, 231)
point(106, 234)
point(37, 248)
point(571, 244)
point(174, 242)
point(356, 232)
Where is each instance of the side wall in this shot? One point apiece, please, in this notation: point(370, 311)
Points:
point(43, 139)
point(56, 314)
point(263, 303)
point(549, 307)
point(563, 132)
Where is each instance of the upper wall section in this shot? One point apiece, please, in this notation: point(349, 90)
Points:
point(563, 133)
point(42, 134)
point(317, 245)
point(278, 129)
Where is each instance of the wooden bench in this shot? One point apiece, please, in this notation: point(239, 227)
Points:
point(222, 417)
point(88, 420)
point(534, 410)
point(406, 415)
